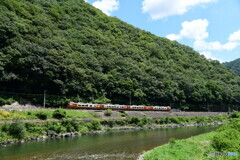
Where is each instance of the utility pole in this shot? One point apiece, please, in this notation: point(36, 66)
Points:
point(44, 98)
point(130, 99)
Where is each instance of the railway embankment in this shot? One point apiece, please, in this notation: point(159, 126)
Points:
point(116, 114)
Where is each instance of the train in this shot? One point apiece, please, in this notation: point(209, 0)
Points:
point(80, 105)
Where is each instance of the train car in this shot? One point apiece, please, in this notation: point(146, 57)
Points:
point(115, 107)
point(148, 108)
point(161, 108)
point(72, 105)
point(137, 108)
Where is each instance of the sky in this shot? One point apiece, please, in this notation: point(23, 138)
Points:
point(211, 27)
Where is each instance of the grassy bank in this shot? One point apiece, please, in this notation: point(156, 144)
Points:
point(225, 139)
point(46, 114)
point(18, 130)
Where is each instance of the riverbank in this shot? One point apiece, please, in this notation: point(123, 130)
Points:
point(20, 132)
point(53, 135)
point(225, 139)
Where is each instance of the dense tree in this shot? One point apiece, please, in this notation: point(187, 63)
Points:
point(234, 65)
point(72, 49)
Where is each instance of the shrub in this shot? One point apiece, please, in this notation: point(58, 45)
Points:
point(42, 115)
point(108, 112)
point(172, 141)
point(59, 114)
point(123, 114)
point(17, 129)
point(35, 129)
point(94, 125)
point(4, 113)
point(71, 125)
point(147, 121)
point(174, 120)
point(3, 137)
point(4, 101)
point(134, 120)
point(102, 100)
point(227, 138)
point(56, 127)
point(235, 115)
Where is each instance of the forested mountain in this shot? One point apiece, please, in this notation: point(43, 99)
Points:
point(72, 49)
point(234, 65)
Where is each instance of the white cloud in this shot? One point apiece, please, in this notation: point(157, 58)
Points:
point(203, 45)
point(196, 29)
point(107, 6)
point(234, 36)
point(159, 9)
point(209, 55)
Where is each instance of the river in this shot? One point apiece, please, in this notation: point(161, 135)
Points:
point(121, 145)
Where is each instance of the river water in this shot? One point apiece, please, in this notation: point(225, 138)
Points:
point(121, 145)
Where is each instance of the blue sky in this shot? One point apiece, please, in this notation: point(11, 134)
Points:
point(211, 27)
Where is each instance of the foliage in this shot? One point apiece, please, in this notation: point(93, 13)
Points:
point(4, 101)
point(234, 65)
point(140, 122)
point(17, 129)
point(102, 100)
point(172, 141)
point(94, 125)
point(42, 115)
point(4, 113)
point(71, 125)
point(235, 115)
point(196, 147)
point(227, 138)
point(82, 54)
point(198, 119)
point(35, 129)
point(108, 112)
point(59, 114)
point(20, 130)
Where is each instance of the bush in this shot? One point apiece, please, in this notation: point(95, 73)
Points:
point(94, 125)
point(174, 120)
point(56, 127)
point(134, 120)
point(172, 141)
point(108, 112)
point(235, 115)
point(4, 101)
point(71, 125)
point(59, 114)
point(227, 138)
point(3, 137)
point(17, 129)
point(42, 115)
point(102, 100)
point(4, 114)
point(147, 121)
point(34, 128)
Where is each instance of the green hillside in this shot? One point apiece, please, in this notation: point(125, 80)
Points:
point(72, 49)
point(234, 65)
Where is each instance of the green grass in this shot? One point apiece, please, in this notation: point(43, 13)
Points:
point(194, 148)
point(4, 115)
point(225, 139)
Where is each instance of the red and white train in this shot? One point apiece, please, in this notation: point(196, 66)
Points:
point(116, 107)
